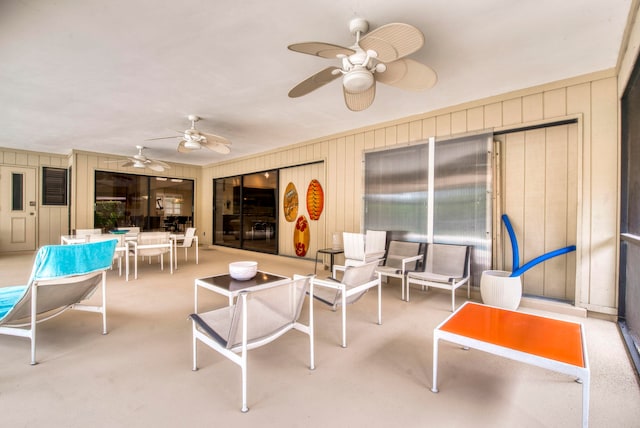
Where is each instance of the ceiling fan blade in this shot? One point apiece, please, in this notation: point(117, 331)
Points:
point(161, 138)
point(215, 139)
point(393, 41)
point(314, 82)
point(156, 162)
point(127, 164)
point(408, 74)
point(218, 147)
point(357, 101)
point(323, 50)
point(155, 167)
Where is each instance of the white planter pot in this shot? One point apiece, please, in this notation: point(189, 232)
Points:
point(497, 288)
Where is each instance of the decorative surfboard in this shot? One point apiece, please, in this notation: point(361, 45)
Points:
point(315, 199)
point(290, 202)
point(301, 236)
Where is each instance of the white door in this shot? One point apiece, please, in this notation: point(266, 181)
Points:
point(17, 208)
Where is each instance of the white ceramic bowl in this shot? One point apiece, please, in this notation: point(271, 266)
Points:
point(243, 271)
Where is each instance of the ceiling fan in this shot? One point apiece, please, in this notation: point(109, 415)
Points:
point(141, 161)
point(193, 139)
point(378, 56)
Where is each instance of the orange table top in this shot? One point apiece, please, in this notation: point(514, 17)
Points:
point(536, 335)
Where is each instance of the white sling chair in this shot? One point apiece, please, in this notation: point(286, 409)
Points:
point(355, 281)
point(186, 242)
point(256, 319)
point(360, 249)
point(448, 266)
point(61, 278)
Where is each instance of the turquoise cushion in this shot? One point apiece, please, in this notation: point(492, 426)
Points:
point(9, 296)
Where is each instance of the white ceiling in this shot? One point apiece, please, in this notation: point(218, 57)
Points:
point(105, 76)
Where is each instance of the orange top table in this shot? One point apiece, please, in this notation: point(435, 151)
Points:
point(544, 342)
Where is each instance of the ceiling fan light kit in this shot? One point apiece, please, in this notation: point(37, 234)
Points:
point(358, 80)
point(375, 57)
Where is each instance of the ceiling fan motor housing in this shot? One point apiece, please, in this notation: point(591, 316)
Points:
point(191, 145)
point(358, 80)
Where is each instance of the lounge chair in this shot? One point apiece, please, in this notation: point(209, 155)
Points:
point(61, 278)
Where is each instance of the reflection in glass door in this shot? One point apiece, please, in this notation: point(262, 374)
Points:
point(150, 203)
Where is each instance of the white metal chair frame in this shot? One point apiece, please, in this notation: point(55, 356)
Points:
point(30, 332)
point(346, 292)
point(432, 276)
point(47, 297)
point(237, 352)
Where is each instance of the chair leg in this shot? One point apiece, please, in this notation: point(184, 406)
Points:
point(453, 300)
point(344, 317)
point(195, 340)
point(103, 309)
point(379, 302)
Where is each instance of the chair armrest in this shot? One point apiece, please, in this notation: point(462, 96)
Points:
point(338, 268)
point(329, 283)
point(410, 260)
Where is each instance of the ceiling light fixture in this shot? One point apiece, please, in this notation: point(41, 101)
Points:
point(192, 145)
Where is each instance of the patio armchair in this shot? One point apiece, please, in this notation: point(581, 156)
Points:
point(402, 257)
point(257, 318)
point(447, 266)
point(63, 276)
point(356, 280)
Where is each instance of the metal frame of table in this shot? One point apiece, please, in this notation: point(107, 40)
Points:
point(332, 252)
point(225, 285)
point(521, 337)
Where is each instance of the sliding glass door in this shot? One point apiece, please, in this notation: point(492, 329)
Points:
point(150, 203)
point(245, 211)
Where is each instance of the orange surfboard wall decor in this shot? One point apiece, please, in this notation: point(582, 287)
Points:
point(290, 202)
point(315, 199)
point(301, 236)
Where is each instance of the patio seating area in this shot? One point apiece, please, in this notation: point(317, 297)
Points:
point(143, 367)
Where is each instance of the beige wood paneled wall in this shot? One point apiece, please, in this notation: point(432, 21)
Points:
point(591, 99)
point(52, 220)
